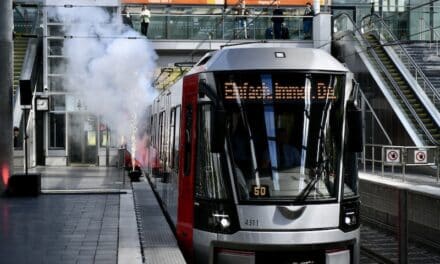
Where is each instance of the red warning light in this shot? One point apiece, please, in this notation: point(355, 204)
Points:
point(5, 174)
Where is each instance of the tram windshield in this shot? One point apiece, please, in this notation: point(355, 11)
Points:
point(284, 133)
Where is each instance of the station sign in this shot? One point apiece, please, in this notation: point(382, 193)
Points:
point(420, 156)
point(392, 155)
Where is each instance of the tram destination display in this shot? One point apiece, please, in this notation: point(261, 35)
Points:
point(248, 92)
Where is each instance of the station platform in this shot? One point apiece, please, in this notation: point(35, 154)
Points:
point(96, 215)
point(85, 215)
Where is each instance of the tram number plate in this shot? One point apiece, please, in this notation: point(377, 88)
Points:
point(251, 222)
point(260, 191)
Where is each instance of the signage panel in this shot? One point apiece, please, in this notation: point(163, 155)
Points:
point(392, 155)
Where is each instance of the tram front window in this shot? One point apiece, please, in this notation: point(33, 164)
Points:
point(284, 134)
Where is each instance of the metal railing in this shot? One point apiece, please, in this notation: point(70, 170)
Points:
point(388, 157)
point(374, 23)
point(218, 26)
point(381, 68)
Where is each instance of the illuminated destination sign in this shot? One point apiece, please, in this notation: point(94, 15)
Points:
point(245, 91)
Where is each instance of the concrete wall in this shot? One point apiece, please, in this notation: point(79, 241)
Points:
point(379, 202)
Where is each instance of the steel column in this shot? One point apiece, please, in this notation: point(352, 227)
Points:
point(6, 84)
point(403, 226)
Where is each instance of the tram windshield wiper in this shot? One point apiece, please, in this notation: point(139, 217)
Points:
point(309, 187)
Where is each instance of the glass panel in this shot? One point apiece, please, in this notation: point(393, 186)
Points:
point(436, 22)
point(171, 136)
point(55, 47)
point(284, 133)
point(188, 137)
point(91, 138)
point(350, 175)
point(56, 83)
point(55, 30)
point(58, 102)
point(176, 141)
point(57, 65)
point(107, 136)
point(419, 23)
point(209, 183)
point(212, 23)
point(57, 130)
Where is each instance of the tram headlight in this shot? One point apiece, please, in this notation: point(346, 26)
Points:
point(216, 217)
point(225, 223)
point(222, 220)
point(349, 217)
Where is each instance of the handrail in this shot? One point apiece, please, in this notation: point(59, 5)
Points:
point(390, 79)
point(395, 42)
point(217, 15)
point(403, 97)
point(432, 151)
point(206, 28)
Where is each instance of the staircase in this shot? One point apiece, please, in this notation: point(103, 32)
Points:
point(407, 92)
point(20, 46)
point(428, 59)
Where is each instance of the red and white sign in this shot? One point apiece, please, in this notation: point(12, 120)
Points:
point(392, 155)
point(420, 156)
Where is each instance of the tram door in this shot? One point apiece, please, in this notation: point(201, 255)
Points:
point(82, 139)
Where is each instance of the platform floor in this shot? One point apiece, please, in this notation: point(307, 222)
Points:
point(84, 215)
point(59, 229)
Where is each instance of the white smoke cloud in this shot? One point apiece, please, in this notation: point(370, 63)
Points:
point(107, 69)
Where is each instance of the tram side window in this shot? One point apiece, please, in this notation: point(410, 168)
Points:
point(154, 129)
point(172, 130)
point(57, 133)
point(209, 183)
point(350, 175)
point(176, 140)
point(150, 127)
point(161, 136)
point(188, 136)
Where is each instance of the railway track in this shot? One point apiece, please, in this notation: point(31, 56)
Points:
point(381, 246)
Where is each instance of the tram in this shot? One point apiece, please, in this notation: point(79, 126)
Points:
point(257, 147)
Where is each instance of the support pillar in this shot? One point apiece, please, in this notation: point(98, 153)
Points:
point(322, 31)
point(6, 84)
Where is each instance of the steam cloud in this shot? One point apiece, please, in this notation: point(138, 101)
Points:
point(109, 74)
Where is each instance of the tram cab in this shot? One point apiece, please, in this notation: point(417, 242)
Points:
point(267, 158)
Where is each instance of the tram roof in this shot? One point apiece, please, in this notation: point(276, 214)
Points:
point(262, 56)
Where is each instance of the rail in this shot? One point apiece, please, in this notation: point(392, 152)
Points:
point(367, 46)
point(385, 33)
point(390, 156)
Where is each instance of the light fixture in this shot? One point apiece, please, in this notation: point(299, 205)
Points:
point(280, 54)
